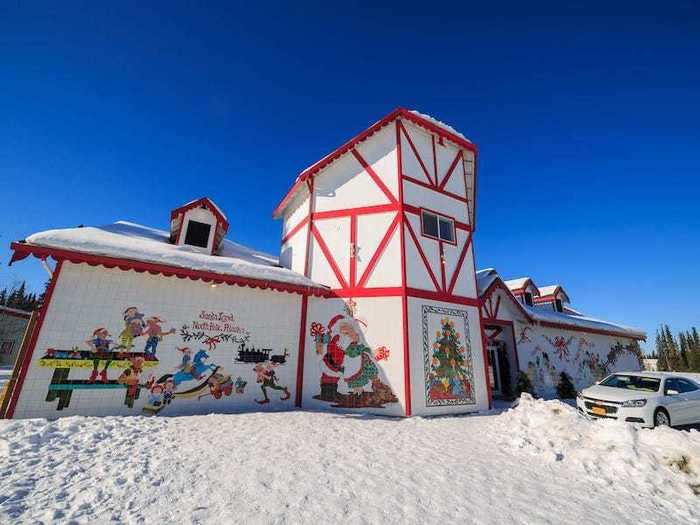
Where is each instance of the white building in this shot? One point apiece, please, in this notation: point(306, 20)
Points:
point(374, 305)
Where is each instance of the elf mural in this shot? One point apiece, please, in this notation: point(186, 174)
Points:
point(194, 372)
point(350, 377)
point(448, 369)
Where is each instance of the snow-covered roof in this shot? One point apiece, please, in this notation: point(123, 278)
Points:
point(440, 124)
point(519, 283)
point(570, 317)
point(484, 279)
point(202, 201)
point(126, 240)
point(581, 321)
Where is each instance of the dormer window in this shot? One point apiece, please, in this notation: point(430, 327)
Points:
point(197, 234)
point(438, 226)
point(200, 225)
point(558, 305)
point(527, 298)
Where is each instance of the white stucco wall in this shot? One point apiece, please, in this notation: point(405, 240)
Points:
point(379, 321)
point(87, 298)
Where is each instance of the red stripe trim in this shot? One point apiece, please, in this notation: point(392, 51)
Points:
point(168, 271)
point(442, 266)
point(404, 299)
point(353, 249)
point(378, 252)
point(418, 157)
point(460, 261)
point(291, 233)
point(450, 170)
point(576, 328)
point(300, 356)
point(329, 257)
point(498, 306)
point(374, 175)
point(207, 203)
point(442, 296)
point(380, 291)
point(348, 212)
point(435, 189)
point(24, 366)
point(422, 255)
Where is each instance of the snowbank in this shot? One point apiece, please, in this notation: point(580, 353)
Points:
point(539, 463)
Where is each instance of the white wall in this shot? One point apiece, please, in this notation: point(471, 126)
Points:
point(544, 353)
point(379, 321)
point(86, 298)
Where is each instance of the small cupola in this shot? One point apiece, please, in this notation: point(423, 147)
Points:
point(199, 224)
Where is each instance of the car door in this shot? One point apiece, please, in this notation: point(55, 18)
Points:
point(674, 402)
point(690, 401)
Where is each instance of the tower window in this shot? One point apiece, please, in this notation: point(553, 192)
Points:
point(438, 227)
point(197, 234)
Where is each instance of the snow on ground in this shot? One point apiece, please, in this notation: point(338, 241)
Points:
point(538, 463)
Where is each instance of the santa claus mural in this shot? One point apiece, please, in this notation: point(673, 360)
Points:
point(350, 376)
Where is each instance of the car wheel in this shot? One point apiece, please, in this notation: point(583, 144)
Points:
point(661, 418)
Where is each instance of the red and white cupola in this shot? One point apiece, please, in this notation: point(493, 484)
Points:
point(199, 224)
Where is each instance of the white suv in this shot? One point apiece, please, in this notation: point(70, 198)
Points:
point(648, 398)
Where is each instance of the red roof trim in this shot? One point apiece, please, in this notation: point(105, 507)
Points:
point(24, 250)
point(14, 313)
point(345, 148)
point(498, 283)
point(207, 203)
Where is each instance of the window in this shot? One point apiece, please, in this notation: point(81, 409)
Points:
point(528, 298)
point(197, 234)
point(686, 386)
point(671, 384)
point(558, 305)
point(438, 227)
point(640, 383)
point(6, 347)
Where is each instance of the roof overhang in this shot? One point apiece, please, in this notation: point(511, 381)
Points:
point(24, 250)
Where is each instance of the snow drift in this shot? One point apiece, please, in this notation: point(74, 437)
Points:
point(538, 463)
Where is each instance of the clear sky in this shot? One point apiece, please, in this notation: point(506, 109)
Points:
point(587, 120)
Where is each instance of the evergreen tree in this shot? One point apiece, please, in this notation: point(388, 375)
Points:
point(662, 363)
point(683, 345)
point(565, 388)
point(694, 350)
point(523, 384)
point(673, 356)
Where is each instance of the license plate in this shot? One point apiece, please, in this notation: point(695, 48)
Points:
point(598, 411)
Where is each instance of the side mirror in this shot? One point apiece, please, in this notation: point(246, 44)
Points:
point(671, 392)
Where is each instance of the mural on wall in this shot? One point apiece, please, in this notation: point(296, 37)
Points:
point(447, 357)
point(585, 367)
point(350, 377)
point(194, 372)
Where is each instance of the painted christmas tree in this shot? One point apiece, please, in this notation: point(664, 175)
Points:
point(448, 370)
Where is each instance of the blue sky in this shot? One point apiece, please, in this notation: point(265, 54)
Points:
point(587, 122)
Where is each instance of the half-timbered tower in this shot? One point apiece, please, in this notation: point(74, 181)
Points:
point(386, 221)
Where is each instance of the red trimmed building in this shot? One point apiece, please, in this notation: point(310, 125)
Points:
point(373, 305)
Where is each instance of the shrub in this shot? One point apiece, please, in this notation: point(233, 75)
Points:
point(523, 384)
point(565, 388)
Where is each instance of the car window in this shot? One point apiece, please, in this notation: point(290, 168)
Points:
point(632, 382)
point(686, 386)
point(671, 384)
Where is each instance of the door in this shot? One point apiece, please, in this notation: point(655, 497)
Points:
point(494, 369)
point(690, 401)
point(676, 402)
